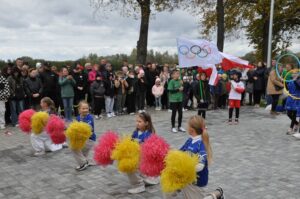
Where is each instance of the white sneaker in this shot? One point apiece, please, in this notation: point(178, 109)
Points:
point(132, 113)
point(174, 130)
point(183, 110)
point(297, 135)
point(143, 111)
point(109, 115)
point(156, 108)
point(136, 190)
point(151, 180)
point(2, 126)
point(140, 111)
point(113, 114)
point(181, 129)
point(96, 117)
point(169, 110)
point(39, 153)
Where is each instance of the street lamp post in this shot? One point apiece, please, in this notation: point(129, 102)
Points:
point(270, 34)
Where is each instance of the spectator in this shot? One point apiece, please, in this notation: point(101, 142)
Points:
point(249, 85)
point(141, 88)
point(97, 90)
point(131, 92)
point(17, 94)
point(165, 76)
point(6, 72)
point(274, 89)
point(224, 93)
point(19, 63)
point(157, 91)
point(259, 83)
point(81, 86)
point(67, 84)
point(4, 95)
point(33, 88)
point(150, 75)
point(186, 92)
point(121, 87)
point(109, 95)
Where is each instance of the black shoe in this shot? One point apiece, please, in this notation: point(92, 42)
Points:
point(219, 189)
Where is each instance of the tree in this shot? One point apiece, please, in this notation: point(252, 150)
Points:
point(252, 16)
point(133, 7)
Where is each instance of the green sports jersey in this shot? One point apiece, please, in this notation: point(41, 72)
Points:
point(174, 94)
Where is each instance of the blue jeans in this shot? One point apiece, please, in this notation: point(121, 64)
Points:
point(16, 107)
point(158, 102)
point(68, 106)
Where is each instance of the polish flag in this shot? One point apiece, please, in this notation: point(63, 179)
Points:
point(211, 71)
point(230, 61)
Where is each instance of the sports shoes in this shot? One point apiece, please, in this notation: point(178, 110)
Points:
point(180, 129)
point(151, 180)
point(169, 110)
point(132, 113)
point(236, 121)
point(297, 135)
point(82, 167)
point(39, 153)
point(97, 117)
point(174, 130)
point(136, 190)
point(113, 114)
point(230, 122)
point(140, 111)
point(109, 115)
point(290, 132)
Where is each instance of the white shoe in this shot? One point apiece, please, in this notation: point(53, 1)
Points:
point(140, 111)
point(183, 109)
point(113, 114)
point(143, 111)
point(2, 126)
point(136, 190)
point(131, 113)
point(39, 153)
point(169, 110)
point(109, 115)
point(297, 135)
point(151, 180)
point(174, 130)
point(96, 117)
point(156, 108)
point(181, 129)
point(82, 167)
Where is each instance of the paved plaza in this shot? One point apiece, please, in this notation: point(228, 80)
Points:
point(254, 160)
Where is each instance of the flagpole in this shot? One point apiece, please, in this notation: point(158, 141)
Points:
point(270, 34)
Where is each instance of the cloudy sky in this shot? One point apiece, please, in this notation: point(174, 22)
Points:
point(67, 29)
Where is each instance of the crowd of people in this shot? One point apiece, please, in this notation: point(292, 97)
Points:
point(132, 89)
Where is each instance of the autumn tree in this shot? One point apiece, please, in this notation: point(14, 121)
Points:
point(138, 9)
point(251, 17)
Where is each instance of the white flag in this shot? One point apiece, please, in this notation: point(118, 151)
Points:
point(197, 53)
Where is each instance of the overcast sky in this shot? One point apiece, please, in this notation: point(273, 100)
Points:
point(66, 29)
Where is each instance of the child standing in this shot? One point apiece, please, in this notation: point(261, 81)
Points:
point(42, 142)
point(81, 156)
point(157, 91)
point(175, 89)
point(199, 144)
point(235, 96)
point(141, 87)
point(202, 94)
point(144, 129)
point(186, 92)
point(97, 93)
point(110, 96)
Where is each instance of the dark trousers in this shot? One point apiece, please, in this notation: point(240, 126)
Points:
point(292, 115)
point(237, 113)
point(7, 113)
point(99, 104)
point(176, 106)
point(140, 97)
point(164, 100)
point(257, 96)
point(130, 98)
point(222, 101)
point(275, 99)
point(149, 97)
point(202, 113)
point(250, 98)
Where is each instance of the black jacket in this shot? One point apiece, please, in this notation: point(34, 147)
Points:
point(33, 86)
point(98, 89)
point(259, 84)
point(109, 88)
point(205, 91)
point(141, 86)
point(16, 86)
point(50, 83)
point(81, 80)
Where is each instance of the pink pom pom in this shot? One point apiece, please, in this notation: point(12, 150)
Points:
point(55, 129)
point(154, 151)
point(25, 120)
point(104, 148)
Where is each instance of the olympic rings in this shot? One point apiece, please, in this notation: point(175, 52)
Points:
point(200, 51)
point(284, 83)
point(279, 58)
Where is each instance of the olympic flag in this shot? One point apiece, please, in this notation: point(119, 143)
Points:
point(197, 53)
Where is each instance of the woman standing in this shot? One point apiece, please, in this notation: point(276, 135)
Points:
point(259, 83)
point(67, 84)
point(17, 94)
point(33, 88)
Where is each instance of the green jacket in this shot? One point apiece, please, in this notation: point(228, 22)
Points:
point(66, 87)
point(174, 94)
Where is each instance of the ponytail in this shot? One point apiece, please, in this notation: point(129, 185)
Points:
point(205, 139)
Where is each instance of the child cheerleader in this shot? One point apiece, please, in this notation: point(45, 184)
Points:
point(81, 156)
point(199, 144)
point(144, 129)
point(235, 96)
point(42, 142)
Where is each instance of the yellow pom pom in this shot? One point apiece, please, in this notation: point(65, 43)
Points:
point(78, 133)
point(180, 170)
point(127, 153)
point(38, 122)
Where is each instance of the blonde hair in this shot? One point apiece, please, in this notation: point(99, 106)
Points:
point(81, 103)
point(198, 124)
